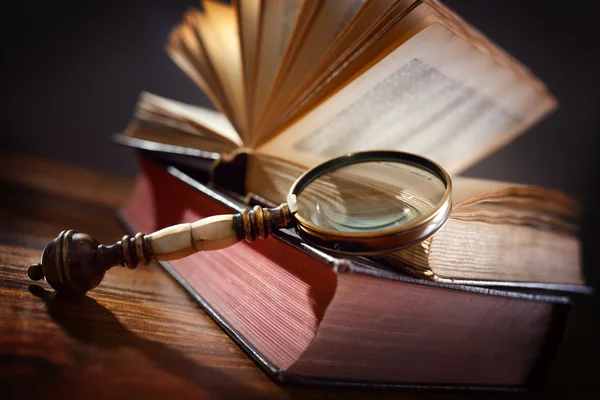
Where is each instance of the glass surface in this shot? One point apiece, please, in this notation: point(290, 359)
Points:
point(370, 196)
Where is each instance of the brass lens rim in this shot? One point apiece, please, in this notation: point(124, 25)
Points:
point(385, 240)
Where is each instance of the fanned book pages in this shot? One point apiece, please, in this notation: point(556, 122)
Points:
point(297, 82)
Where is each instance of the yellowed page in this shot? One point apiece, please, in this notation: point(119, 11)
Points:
point(271, 178)
point(397, 27)
point(363, 22)
point(436, 95)
point(218, 30)
point(530, 215)
point(363, 25)
point(175, 134)
point(477, 37)
point(276, 24)
point(188, 53)
point(333, 16)
point(497, 252)
point(248, 12)
point(506, 253)
point(208, 121)
point(471, 194)
point(470, 190)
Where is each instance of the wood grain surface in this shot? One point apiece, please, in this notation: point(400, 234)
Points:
point(139, 335)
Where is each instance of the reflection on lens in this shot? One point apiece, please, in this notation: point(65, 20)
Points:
point(364, 214)
point(370, 196)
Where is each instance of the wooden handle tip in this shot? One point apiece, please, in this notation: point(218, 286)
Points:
point(35, 272)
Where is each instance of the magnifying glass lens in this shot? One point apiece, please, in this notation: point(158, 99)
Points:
point(370, 196)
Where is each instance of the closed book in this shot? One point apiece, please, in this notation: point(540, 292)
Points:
point(306, 316)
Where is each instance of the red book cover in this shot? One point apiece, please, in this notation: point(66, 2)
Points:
point(306, 316)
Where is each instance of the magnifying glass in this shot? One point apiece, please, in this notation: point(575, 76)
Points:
point(363, 203)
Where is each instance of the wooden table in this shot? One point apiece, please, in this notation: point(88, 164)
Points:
point(139, 335)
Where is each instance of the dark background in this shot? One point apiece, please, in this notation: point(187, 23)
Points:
point(71, 73)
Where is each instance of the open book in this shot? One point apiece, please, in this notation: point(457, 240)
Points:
point(300, 81)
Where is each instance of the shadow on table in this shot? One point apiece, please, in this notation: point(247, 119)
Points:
point(85, 320)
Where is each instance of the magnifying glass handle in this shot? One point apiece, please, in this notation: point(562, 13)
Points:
point(74, 263)
point(216, 232)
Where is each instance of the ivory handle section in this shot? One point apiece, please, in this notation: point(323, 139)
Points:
point(181, 240)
